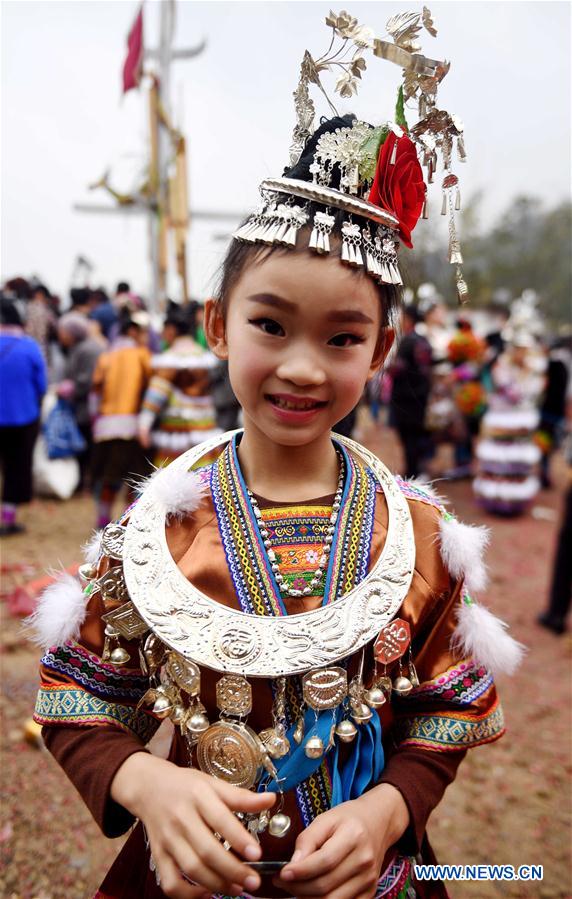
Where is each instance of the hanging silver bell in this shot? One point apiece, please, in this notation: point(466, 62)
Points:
point(162, 707)
point(279, 825)
point(87, 572)
point(346, 731)
point(177, 714)
point(314, 748)
point(275, 743)
point(119, 656)
point(375, 697)
point(361, 713)
point(402, 686)
point(197, 723)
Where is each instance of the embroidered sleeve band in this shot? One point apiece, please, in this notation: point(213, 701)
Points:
point(451, 731)
point(59, 704)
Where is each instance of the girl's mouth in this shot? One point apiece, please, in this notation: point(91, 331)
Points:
point(294, 403)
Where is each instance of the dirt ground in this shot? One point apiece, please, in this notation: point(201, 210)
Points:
point(510, 804)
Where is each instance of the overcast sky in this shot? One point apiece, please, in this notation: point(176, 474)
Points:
point(63, 121)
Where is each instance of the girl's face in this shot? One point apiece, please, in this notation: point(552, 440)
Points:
point(302, 337)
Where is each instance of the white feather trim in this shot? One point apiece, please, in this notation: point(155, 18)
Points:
point(92, 548)
point(462, 548)
point(178, 493)
point(482, 636)
point(59, 614)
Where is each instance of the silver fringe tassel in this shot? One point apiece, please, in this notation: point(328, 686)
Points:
point(320, 236)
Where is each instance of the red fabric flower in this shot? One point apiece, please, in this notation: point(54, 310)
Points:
point(399, 188)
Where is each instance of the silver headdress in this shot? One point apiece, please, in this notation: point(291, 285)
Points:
point(354, 168)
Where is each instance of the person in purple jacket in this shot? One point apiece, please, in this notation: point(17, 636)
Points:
point(23, 383)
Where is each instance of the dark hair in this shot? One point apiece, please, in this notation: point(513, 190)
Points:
point(19, 287)
point(412, 312)
point(41, 288)
point(240, 254)
point(178, 318)
point(9, 314)
point(79, 296)
point(123, 287)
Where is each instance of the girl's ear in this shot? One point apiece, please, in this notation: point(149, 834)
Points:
point(382, 348)
point(215, 330)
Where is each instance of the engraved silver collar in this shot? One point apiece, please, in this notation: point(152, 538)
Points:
point(223, 639)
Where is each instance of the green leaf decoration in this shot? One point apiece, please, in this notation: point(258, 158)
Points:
point(369, 151)
point(400, 111)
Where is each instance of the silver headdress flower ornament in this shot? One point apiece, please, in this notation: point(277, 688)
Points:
point(371, 174)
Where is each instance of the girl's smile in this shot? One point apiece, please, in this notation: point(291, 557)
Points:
point(302, 335)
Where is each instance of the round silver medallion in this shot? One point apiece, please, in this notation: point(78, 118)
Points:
point(231, 752)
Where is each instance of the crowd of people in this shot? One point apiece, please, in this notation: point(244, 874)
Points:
point(140, 395)
point(103, 387)
point(499, 397)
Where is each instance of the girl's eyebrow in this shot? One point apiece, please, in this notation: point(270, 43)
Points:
point(338, 315)
point(270, 299)
point(349, 315)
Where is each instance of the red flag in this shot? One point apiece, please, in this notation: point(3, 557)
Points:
point(133, 65)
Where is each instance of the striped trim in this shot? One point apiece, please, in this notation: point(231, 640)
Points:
point(460, 685)
point(444, 733)
point(88, 671)
point(72, 706)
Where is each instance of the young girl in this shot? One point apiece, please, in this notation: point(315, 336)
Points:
point(301, 616)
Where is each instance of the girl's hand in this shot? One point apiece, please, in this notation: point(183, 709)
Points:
point(182, 809)
point(341, 853)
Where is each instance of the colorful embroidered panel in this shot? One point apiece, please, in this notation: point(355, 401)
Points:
point(456, 730)
point(460, 685)
point(297, 536)
point(65, 704)
point(77, 664)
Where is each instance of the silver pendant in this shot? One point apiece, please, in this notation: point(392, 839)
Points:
point(127, 621)
point(234, 695)
point(185, 674)
point(325, 689)
point(232, 752)
point(275, 742)
point(112, 541)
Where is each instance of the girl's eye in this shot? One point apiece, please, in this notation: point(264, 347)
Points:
point(267, 326)
point(345, 340)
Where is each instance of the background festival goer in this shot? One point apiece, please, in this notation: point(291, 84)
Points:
point(553, 408)
point(466, 353)
point(508, 457)
point(560, 598)
point(120, 379)
point(411, 377)
point(23, 383)
point(41, 321)
point(178, 411)
point(103, 312)
point(82, 351)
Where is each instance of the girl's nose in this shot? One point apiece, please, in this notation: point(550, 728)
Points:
point(302, 369)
